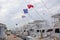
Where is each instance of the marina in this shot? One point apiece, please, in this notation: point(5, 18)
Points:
point(40, 30)
point(29, 19)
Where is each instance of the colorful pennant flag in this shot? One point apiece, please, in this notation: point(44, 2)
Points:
point(25, 11)
point(30, 6)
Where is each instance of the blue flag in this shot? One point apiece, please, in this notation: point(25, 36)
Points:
point(25, 11)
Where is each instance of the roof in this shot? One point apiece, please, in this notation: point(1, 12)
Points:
point(56, 16)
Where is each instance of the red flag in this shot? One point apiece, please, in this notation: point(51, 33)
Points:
point(30, 6)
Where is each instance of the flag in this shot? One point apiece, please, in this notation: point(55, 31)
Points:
point(23, 16)
point(30, 6)
point(25, 11)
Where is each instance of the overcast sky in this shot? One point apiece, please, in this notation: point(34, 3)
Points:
point(12, 10)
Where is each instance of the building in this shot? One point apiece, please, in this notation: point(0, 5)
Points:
point(3, 29)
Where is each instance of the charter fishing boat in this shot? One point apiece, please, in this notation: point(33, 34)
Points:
point(37, 30)
point(41, 30)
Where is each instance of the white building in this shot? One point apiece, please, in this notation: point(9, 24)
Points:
point(3, 29)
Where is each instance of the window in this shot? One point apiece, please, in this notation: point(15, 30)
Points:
point(24, 30)
point(49, 30)
point(43, 31)
point(57, 30)
point(37, 30)
point(31, 29)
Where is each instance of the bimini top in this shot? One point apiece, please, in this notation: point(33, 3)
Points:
point(56, 16)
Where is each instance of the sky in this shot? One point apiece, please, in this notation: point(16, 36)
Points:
point(11, 11)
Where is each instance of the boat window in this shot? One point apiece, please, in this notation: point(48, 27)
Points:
point(49, 30)
point(31, 29)
point(24, 30)
point(43, 31)
point(57, 30)
point(37, 30)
